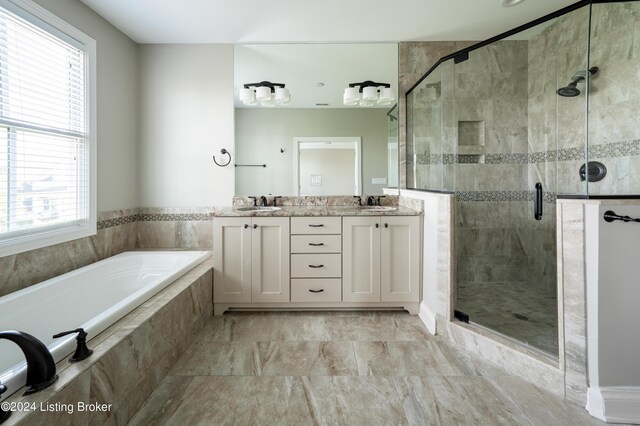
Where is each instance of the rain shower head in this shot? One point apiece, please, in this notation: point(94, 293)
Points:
point(571, 90)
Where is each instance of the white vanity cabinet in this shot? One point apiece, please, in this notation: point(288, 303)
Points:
point(316, 262)
point(251, 259)
point(381, 259)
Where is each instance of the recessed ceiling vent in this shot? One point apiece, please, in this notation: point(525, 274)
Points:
point(319, 104)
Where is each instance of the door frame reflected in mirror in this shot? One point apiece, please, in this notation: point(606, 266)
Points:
point(354, 141)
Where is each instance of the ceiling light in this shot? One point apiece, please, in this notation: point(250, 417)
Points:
point(267, 93)
point(510, 3)
point(368, 93)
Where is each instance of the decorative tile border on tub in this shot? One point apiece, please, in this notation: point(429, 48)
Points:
point(110, 223)
point(176, 214)
point(175, 217)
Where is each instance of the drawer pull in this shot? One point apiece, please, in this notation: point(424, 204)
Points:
point(316, 244)
point(316, 291)
point(316, 266)
point(316, 226)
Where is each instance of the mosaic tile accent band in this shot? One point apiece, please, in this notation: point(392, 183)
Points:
point(549, 197)
point(610, 150)
point(175, 217)
point(110, 223)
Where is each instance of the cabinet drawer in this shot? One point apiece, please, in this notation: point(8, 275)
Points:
point(316, 265)
point(316, 244)
point(316, 225)
point(316, 290)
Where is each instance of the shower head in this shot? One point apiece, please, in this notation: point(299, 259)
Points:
point(571, 90)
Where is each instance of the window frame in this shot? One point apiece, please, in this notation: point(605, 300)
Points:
point(50, 235)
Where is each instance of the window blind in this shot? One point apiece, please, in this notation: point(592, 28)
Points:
point(44, 162)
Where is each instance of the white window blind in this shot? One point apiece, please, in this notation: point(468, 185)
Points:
point(44, 142)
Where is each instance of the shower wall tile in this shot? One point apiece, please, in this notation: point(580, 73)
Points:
point(116, 233)
point(571, 260)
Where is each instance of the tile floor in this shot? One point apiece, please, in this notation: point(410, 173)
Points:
point(352, 368)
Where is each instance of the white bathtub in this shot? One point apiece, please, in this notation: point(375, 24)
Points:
point(93, 297)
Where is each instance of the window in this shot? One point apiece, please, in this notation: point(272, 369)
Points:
point(47, 146)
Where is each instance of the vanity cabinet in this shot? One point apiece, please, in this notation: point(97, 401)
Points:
point(251, 258)
point(316, 259)
point(381, 259)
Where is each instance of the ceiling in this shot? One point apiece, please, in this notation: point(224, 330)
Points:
point(301, 67)
point(294, 21)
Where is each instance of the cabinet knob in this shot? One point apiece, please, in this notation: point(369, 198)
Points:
point(246, 226)
point(377, 225)
point(255, 226)
point(386, 225)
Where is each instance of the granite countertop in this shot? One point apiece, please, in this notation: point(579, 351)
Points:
point(286, 211)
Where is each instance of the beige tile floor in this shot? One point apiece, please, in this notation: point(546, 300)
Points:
point(351, 368)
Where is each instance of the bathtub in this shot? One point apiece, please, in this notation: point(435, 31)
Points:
point(93, 297)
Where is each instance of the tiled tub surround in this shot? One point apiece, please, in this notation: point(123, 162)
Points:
point(131, 357)
point(176, 228)
point(117, 232)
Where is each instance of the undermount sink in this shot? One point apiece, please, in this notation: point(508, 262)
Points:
point(378, 208)
point(258, 209)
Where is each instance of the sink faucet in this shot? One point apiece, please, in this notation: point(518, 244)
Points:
point(371, 201)
point(358, 200)
point(263, 200)
point(255, 201)
point(41, 369)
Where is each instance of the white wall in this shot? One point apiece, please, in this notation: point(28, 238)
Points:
point(336, 167)
point(117, 103)
point(613, 292)
point(260, 133)
point(186, 98)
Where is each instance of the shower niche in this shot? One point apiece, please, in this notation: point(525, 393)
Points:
point(509, 131)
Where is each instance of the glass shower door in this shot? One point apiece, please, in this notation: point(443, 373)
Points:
point(515, 137)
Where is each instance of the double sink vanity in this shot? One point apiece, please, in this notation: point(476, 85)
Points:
point(316, 256)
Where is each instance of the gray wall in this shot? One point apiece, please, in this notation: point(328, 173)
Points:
point(118, 109)
point(260, 133)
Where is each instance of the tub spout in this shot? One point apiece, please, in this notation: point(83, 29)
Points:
point(4, 415)
point(41, 369)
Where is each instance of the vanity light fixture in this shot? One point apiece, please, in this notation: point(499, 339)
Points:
point(368, 93)
point(267, 93)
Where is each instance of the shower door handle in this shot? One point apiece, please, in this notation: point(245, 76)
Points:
point(538, 202)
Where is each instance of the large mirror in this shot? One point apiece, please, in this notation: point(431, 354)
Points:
point(312, 143)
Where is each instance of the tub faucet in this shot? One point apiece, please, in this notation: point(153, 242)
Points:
point(41, 369)
point(4, 415)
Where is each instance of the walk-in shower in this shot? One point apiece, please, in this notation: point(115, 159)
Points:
point(509, 125)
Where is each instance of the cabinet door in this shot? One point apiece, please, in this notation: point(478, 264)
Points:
point(361, 259)
point(232, 259)
point(400, 258)
point(270, 259)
